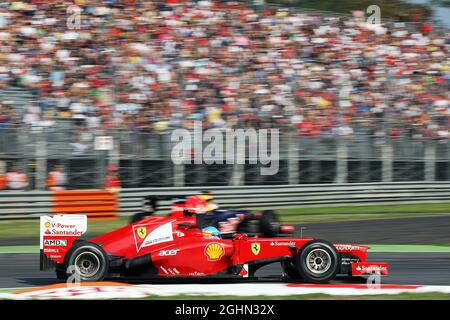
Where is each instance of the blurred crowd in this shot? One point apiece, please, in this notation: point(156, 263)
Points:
point(148, 66)
point(16, 179)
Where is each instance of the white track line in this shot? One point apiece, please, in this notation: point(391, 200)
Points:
point(97, 291)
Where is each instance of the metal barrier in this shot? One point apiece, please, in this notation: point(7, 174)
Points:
point(299, 195)
point(34, 204)
point(99, 204)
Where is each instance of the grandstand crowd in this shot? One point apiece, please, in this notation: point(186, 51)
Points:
point(148, 66)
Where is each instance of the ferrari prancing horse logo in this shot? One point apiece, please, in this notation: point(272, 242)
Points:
point(256, 248)
point(141, 232)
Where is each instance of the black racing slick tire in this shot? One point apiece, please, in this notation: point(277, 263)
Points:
point(268, 224)
point(88, 260)
point(318, 262)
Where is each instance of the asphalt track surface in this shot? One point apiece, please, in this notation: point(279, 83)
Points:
point(18, 270)
point(421, 230)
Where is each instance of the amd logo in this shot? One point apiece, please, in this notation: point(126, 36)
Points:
point(55, 243)
point(165, 253)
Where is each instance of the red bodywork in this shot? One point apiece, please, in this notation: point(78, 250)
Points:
point(177, 248)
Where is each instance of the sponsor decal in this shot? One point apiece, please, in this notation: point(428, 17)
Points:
point(347, 247)
point(359, 268)
point(53, 256)
point(172, 271)
point(141, 232)
point(179, 234)
point(256, 248)
point(160, 234)
point(282, 244)
point(46, 250)
point(196, 274)
point(164, 270)
point(60, 229)
point(371, 268)
point(214, 251)
point(165, 253)
point(55, 242)
point(62, 226)
point(176, 271)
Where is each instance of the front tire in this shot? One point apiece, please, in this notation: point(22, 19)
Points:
point(318, 262)
point(90, 261)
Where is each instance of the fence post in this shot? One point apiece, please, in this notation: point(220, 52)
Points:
point(293, 161)
point(238, 173)
point(237, 176)
point(41, 160)
point(114, 153)
point(178, 172)
point(430, 160)
point(448, 157)
point(341, 163)
point(387, 160)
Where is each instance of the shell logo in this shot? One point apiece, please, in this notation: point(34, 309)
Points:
point(47, 224)
point(214, 251)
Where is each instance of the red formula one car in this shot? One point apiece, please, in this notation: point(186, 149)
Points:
point(180, 247)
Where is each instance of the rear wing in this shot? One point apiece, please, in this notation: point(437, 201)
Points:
point(57, 234)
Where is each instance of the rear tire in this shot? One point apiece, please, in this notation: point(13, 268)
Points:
point(318, 262)
point(90, 261)
point(268, 224)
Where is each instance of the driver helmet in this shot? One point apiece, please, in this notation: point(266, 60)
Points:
point(196, 204)
point(211, 231)
point(209, 199)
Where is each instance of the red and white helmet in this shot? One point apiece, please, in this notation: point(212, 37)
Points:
point(196, 204)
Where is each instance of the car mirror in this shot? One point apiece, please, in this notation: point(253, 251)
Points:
point(186, 225)
point(188, 212)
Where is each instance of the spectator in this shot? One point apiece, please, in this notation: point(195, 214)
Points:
point(3, 181)
point(112, 181)
point(148, 66)
point(57, 179)
point(16, 180)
